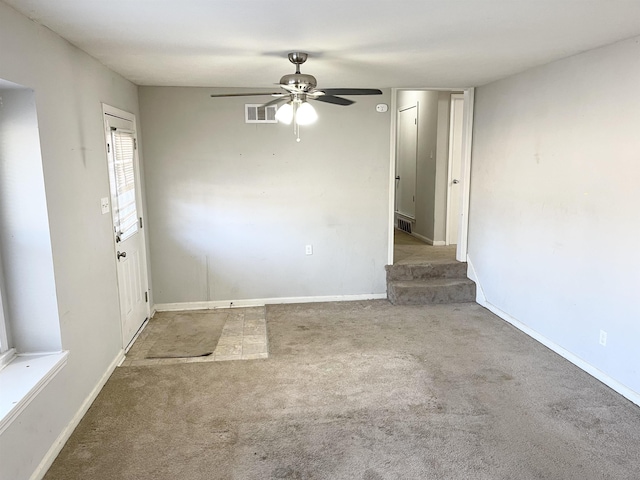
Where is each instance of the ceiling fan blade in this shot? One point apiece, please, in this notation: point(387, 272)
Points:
point(334, 100)
point(276, 101)
point(245, 94)
point(351, 91)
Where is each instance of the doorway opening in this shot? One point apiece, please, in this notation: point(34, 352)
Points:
point(430, 165)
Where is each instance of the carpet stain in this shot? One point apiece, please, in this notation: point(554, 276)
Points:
point(218, 432)
point(492, 375)
point(370, 474)
point(578, 418)
point(84, 453)
point(431, 406)
point(224, 436)
point(287, 473)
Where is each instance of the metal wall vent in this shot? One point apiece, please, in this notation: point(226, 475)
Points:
point(404, 225)
point(256, 113)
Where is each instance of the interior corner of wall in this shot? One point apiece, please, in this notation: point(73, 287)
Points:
point(473, 275)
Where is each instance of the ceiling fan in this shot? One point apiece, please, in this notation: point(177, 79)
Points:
point(298, 88)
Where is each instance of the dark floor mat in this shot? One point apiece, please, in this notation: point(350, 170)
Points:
point(188, 335)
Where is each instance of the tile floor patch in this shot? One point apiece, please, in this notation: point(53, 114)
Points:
point(244, 337)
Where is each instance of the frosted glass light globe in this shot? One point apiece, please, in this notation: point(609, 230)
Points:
point(306, 114)
point(285, 113)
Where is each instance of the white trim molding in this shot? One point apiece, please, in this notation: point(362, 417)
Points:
point(7, 357)
point(467, 142)
point(23, 379)
point(261, 302)
point(612, 383)
point(467, 139)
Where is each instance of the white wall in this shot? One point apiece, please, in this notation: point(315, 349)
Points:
point(232, 205)
point(29, 291)
point(555, 218)
point(69, 87)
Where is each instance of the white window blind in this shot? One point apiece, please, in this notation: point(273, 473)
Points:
point(126, 214)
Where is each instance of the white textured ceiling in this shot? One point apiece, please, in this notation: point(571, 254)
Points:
point(352, 43)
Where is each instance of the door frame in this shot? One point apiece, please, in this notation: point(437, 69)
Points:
point(116, 112)
point(467, 138)
point(447, 233)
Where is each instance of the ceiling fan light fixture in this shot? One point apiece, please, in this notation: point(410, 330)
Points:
point(297, 89)
point(285, 113)
point(306, 114)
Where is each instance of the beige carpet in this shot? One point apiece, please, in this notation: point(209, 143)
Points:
point(362, 390)
point(408, 249)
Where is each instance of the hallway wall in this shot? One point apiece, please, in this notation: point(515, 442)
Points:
point(432, 160)
point(554, 217)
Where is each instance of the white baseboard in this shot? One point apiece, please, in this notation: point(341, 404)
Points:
point(422, 237)
point(261, 302)
point(435, 243)
point(612, 383)
point(55, 449)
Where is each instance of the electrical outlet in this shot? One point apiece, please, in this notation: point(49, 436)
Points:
point(603, 338)
point(308, 250)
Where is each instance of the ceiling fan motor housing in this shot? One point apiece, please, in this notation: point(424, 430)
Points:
point(301, 81)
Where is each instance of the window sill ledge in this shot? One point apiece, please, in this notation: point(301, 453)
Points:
point(22, 380)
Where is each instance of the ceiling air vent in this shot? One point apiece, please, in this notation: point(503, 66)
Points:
point(256, 113)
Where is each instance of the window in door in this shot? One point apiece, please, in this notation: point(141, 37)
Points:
point(123, 183)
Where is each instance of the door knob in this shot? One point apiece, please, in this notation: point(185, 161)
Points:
point(398, 177)
point(455, 182)
point(123, 254)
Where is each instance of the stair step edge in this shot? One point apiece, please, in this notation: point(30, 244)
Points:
point(430, 282)
point(424, 264)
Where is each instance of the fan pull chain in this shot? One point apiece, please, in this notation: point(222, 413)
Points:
point(296, 127)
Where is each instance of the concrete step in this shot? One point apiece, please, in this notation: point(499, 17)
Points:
point(423, 271)
point(432, 290)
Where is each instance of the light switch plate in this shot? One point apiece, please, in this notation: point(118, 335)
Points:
point(104, 205)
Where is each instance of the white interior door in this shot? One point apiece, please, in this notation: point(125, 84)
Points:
point(454, 190)
point(407, 141)
point(131, 259)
